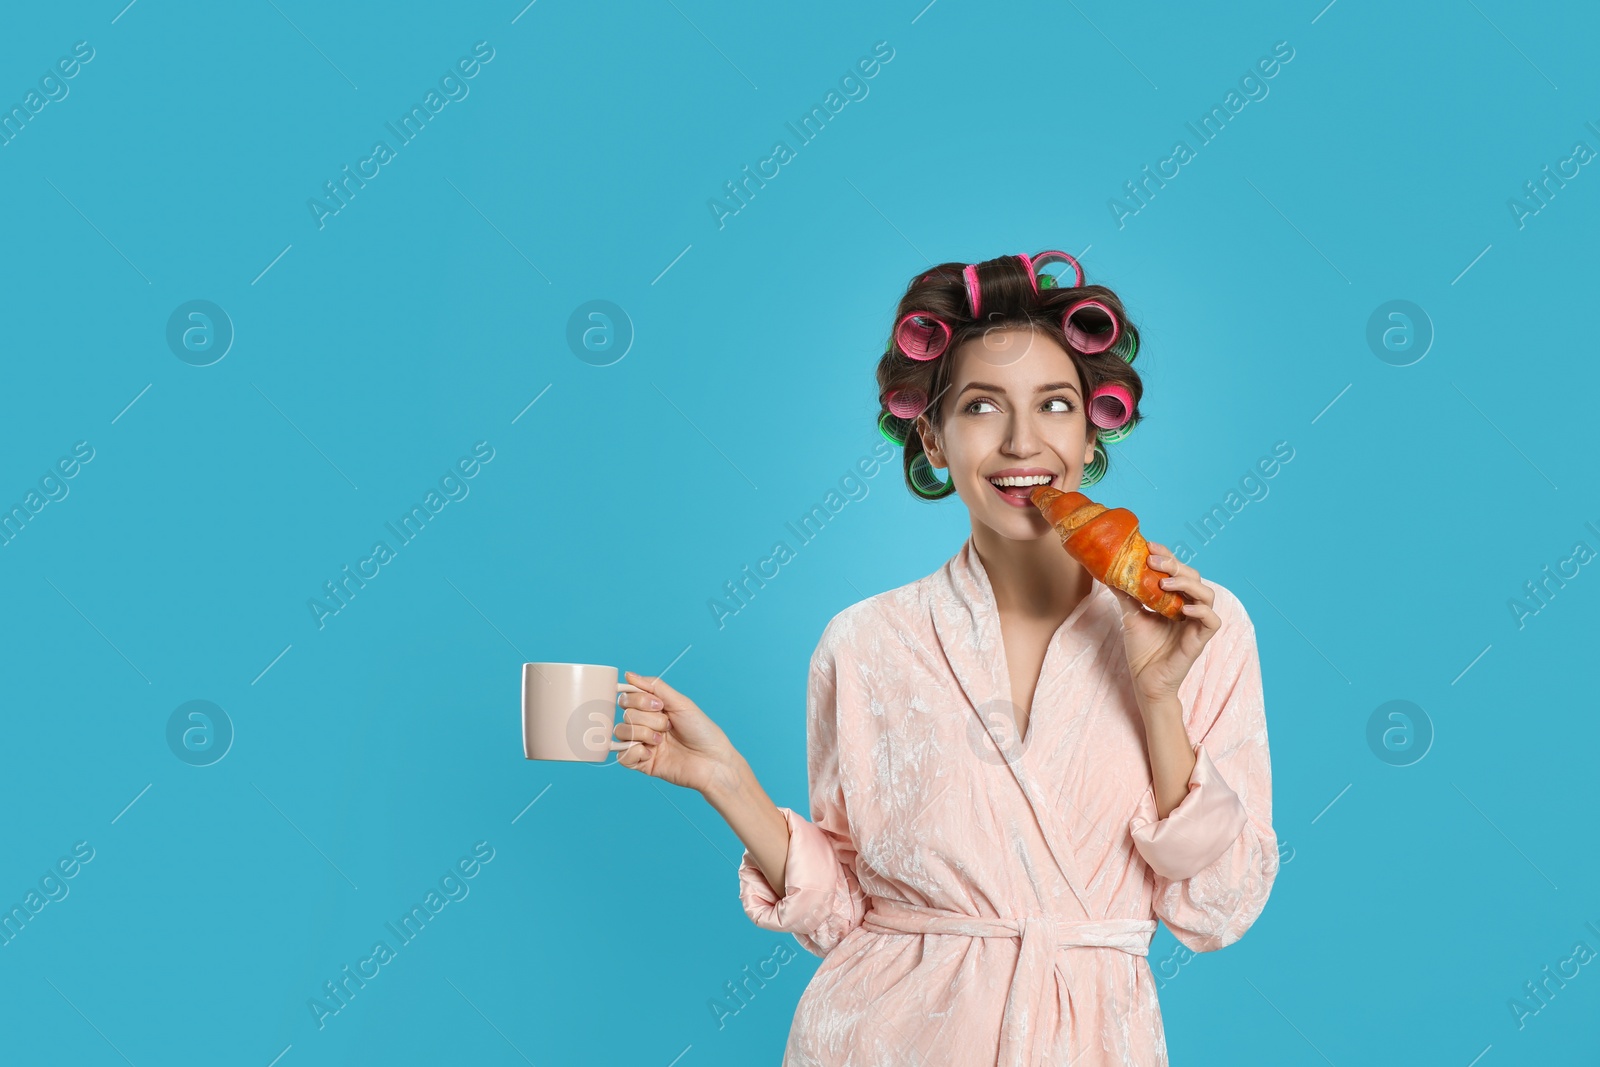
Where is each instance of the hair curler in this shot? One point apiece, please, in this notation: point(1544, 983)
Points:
point(906, 403)
point(1090, 326)
point(1110, 406)
point(1111, 437)
point(970, 273)
point(922, 336)
point(1096, 468)
point(1033, 279)
point(893, 428)
point(927, 484)
point(1046, 257)
point(1126, 346)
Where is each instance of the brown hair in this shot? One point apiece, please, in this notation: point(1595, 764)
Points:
point(1006, 298)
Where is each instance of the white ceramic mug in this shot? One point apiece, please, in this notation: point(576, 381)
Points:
point(569, 711)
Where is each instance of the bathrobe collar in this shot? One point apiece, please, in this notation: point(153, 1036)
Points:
point(967, 619)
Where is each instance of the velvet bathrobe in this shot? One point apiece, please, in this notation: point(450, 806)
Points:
point(979, 898)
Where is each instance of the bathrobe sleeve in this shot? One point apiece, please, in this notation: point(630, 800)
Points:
point(1215, 856)
point(822, 901)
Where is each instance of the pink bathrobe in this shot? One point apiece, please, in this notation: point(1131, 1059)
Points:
point(973, 909)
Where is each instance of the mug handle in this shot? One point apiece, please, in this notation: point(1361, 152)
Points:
point(623, 687)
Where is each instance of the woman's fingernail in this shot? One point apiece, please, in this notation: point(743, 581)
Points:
point(656, 704)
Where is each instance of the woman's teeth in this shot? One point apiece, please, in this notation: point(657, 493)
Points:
point(1019, 488)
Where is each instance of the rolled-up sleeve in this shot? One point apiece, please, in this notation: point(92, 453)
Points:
point(1198, 830)
point(1214, 857)
point(822, 900)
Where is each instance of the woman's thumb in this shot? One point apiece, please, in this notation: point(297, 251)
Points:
point(655, 686)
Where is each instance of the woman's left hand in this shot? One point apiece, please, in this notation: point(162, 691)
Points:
point(1161, 650)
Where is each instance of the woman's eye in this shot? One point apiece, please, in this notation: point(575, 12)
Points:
point(1067, 405)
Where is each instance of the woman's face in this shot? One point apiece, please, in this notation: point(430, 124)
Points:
point(1015, 406)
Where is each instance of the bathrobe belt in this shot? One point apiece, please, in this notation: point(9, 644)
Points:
point(1042, 936)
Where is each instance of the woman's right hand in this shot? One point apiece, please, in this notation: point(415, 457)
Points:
point(676, 741)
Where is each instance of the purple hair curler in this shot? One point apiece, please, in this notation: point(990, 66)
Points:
point(1090, 327)
point(906, 403)
point(1046, 257)
point(1110, 406)
point(922, 336)
point(970, 273)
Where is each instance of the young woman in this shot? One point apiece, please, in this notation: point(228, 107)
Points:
point(1014, 769)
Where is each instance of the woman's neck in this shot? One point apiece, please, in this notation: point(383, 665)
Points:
point(1034, 579)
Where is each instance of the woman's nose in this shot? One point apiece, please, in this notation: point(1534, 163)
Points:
point(1022, 437)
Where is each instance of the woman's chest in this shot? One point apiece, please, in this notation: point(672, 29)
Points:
point(922, 750)
point(1025, 642)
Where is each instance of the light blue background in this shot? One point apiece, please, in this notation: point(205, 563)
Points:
point(1414, 902)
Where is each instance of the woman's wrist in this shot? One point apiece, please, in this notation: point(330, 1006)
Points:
point(730, 778)
point(1159, 706)
point(1172, 755)
point(738, 797)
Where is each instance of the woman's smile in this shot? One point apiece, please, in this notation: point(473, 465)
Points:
point(1015, 485)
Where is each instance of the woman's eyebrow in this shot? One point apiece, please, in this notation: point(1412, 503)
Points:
point(998, 389)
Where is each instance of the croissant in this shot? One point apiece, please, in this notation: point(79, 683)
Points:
point(1108, 543)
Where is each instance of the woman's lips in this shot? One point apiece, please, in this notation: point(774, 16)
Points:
point(1017, 495)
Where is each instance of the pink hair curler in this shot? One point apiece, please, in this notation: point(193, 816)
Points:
point(970, 273)
point(1033, 279)
point(922, 336)
point(1090, 327)
point(906, 403)
point(1110, 406)
point(1046, 257)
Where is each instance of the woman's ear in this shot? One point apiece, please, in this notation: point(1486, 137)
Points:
point(1088, 449)
point(930, 442)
